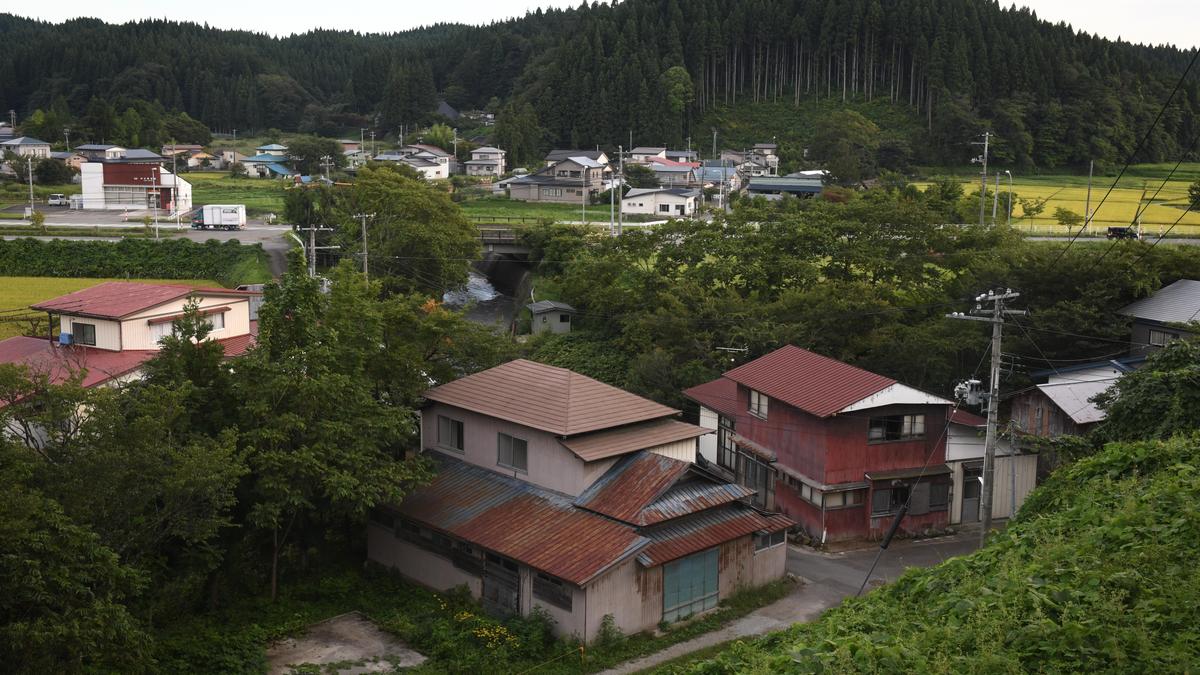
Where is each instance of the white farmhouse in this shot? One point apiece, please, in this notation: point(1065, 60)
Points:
point(664, 202)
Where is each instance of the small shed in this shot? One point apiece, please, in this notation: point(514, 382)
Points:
point(550, 316)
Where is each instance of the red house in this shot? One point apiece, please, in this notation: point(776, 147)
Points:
point(836, 448)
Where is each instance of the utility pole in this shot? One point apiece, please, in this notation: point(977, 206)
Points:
point(714, 143)
point(621, 175)
point(995, 317)
point(29, 174)
point(1087, 208)
point(326, 162)
point(175, 185)
point(1008, 220)
point(362, 217)
point(67, 133)
point(983, 176)
point(372, 144)
point(235, 134)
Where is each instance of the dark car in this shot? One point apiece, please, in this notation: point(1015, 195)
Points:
point(1122, 233)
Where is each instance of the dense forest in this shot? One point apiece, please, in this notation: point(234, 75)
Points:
point(594, 74)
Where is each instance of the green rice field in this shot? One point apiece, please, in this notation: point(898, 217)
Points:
point(260, 195)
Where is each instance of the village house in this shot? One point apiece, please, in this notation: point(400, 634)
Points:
point(643, 155)
point(775, 187)
point(762, 160)
point(1015, 471)
point(1163, 316)
point(111, 329)
point(24, 146)
point(134, 181)
point(71, 159)
point(271, 162)
point(674, 174)
point(555, 156)
point(486, 161)
point(1060, 403)
point(557, 492)
point(99, 152)
point(572, 181)
point(663, 202)
point(835, 447)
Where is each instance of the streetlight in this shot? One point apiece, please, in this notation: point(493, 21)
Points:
point(1009, 220)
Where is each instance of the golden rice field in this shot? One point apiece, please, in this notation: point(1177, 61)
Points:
point(18, 293)
point(1137, 189)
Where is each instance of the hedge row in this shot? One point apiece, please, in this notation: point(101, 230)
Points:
point(230, 262)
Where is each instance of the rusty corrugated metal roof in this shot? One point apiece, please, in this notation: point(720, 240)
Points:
point(704, 530)
point(627, 439)
point(519, 520)
point(719, 395)
point(691, 496)
point(632, 484)
point(813, 383)
point(547, 398)
point(118, 299)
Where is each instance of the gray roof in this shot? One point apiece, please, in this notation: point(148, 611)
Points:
point(24, 140)
point(586, 162)
point(138, 153)
point(786, 184)
point(97, 146)
point(1073, 398)
point(486, 148)
point(431, 149)
point(678, 192)
point(1177, 303)
point(548, 306)
point(644, 150)
point(556, 155)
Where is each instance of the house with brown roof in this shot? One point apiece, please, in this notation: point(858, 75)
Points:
point(835, 447)
point(110, 330)
point(559, 492)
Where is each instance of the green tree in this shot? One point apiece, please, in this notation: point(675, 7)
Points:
point(308, 152)
point(517, 131)
point(1194, 196)
point(53, 172)
point(419, 239)
point(1067, 218)
point(847, 142)
point(1158, 400)
point(441, 136)
point(640, 176)
point(1032, 208)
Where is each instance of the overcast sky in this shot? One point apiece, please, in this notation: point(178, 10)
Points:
point(1149, 21)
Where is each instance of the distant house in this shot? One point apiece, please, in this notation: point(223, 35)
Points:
point(777, 186)
point(350, 145)
point(430, 161)
point(572, 180)
point(181, 149)
point(682, 155)
point(558, 493)
point(272, 149)
point(227, 158)
point(268, 165)
point(486, 161)
point(643, 154)
point(664, 202)
point(550, 316)
point(837, 448)
point(71, 159)
point(712, 174)
point(98, 152)
point(198, 159)
point(1162, 317)
point(110, 330)
point(555, 156)
point(24, 146)
point(6, 131)
point(762, 160)
point(1061, 403)
point(674, 174)
point(130, 184)
point(356, 158)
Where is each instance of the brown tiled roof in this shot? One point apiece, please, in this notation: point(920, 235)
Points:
point(519, 520)
point(813, 383)
point(118, 299)
point(627, 439)
point(678, 538)
point(719, 395)
point(547, 398)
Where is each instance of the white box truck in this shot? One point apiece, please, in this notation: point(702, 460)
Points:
point(220, 217)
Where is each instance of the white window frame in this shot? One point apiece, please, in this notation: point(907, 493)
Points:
point(1163, 337)
point(758, 404)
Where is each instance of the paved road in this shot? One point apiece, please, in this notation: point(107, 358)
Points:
point(1182, 241)
point(844, 572)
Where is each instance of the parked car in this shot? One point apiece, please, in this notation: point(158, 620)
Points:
point(1122, 233)
point(57, 199)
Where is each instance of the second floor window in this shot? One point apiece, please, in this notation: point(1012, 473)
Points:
point(758, 404)
point(513, 453)
point(896, 428)
point(83, 333)
point(1160, 338)
point(726, 453)
point(450, 433)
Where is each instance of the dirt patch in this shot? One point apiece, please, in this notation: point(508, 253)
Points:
point(345, 645)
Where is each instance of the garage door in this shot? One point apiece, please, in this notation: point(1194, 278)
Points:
point(690, 585)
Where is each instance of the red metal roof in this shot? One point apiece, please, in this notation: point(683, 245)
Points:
point(813, 383)
point(519, 520)
point(631, 485)
point(719, 395)
point(631, 438)
point(966, 419)
point(547, 398)
point(118, 299)
point(676, 539)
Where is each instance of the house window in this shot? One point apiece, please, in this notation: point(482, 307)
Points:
point(769, 540)
point(83, 333)
point(216, 321)
point(450, 433)
point(552, 192)
point(552, 590)
point(759, 477)
point(888, 500)
point(896, 428)
point(159, 331)
point(758, 404)
point(726, 453)
point(1160, 338)
point(564, 318)
point(664, 208)
point(690, 585)
point(939, 496)
point(513, 453)
point(841, 500)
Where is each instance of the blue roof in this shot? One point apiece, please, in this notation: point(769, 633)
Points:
point(273, 146)
point(279, 169)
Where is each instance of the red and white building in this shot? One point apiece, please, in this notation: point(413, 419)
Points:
point(110, 330)
point(133, 184)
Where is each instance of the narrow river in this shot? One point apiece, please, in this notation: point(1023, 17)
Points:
point(484, 304)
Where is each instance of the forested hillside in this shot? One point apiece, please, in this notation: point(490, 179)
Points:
point(654, 67)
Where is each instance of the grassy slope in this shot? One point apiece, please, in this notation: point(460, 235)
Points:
point(18, 293)
point(1097, 574)
point(260, 195)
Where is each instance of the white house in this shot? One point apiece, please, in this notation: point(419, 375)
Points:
point(645, 154)
point(272, 149)
point(136, 186)
point(24, 146)
point(486, 161)
point(665, 202)
point(98, 152)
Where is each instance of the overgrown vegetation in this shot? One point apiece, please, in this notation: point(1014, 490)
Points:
point(230, 262)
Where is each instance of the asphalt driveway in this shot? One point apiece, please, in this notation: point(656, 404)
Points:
point(844, 572)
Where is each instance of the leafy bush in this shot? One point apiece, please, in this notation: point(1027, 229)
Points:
point(1097, 574)
point(228, 262)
